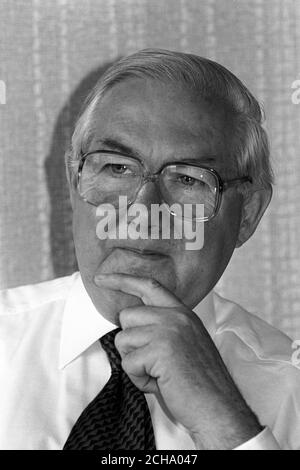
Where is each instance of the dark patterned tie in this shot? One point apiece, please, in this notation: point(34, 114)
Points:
point(118, 418)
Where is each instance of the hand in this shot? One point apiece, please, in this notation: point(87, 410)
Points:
point(166, 350)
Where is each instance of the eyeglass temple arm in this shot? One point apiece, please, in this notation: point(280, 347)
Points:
point(233, 182)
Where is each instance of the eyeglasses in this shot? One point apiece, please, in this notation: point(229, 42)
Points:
point(104, 176)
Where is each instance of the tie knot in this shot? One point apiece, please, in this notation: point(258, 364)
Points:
point(108, 343)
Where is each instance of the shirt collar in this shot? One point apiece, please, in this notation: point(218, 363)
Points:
point(83, 324)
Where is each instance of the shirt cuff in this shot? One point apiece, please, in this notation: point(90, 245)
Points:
point(263, 441)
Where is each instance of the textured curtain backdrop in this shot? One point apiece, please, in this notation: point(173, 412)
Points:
point(51, 53)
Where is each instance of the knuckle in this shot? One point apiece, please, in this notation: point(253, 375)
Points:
point(118, 340)
point(123, 315)
point(126, 363)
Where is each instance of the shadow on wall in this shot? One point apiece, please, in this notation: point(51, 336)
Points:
point(62, 245)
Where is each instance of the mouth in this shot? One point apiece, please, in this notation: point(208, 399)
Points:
point(145, 254)
point(148, 261)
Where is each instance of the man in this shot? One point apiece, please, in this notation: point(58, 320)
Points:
point(168, 128)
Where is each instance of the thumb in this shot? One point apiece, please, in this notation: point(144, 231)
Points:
point(144, 383)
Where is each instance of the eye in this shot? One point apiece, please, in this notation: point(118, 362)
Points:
point(186, 180)
point(118, 169)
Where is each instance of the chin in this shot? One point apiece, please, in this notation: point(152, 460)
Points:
point(109, 303)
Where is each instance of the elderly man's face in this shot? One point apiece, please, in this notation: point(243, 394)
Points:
point(161, 123)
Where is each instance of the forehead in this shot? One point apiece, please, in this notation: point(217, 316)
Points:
point(160, 119)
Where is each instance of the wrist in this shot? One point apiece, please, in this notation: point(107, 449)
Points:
point(227, 431)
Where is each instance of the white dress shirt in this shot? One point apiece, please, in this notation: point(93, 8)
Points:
point(52, 366)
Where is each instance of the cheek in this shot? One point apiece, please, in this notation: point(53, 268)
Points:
point(89, 250)
point(83, 226)
point(199, 271)
point(222, 232)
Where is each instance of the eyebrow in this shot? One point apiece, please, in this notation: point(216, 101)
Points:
point(118, 146)
point(124, 149)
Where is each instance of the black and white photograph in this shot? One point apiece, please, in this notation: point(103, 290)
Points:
point(149, 227)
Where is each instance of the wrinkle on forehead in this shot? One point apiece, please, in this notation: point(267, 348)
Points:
point(160, 118)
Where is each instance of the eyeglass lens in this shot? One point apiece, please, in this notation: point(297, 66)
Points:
point(106, 177)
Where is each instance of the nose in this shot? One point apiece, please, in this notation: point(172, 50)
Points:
point(156, 219)
point(149, 193)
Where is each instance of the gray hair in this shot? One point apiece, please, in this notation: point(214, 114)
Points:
point(249, 143)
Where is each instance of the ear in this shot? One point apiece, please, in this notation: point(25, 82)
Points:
point(254, 206)
point(70, 175)
point(72, 194)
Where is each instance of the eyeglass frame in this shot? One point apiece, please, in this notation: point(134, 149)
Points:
point(223, 185)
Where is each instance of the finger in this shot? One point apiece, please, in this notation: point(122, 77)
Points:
point(134, 364)
point(150, 291)
point(132, 338)
point(140, 316)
